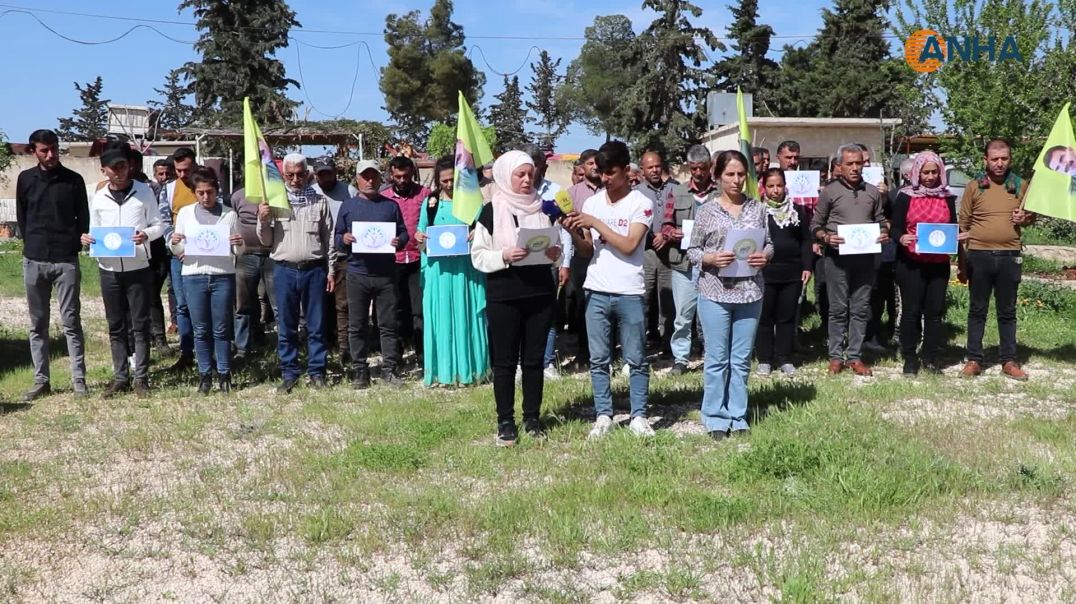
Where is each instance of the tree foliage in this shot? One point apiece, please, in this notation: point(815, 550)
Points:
point(442, 139)
point(664, 103)
point(90, 121)
point(1017, 100)
point(508, 115)
point(550, 110)
point(426, 68)
point(596, 81)
point(238, 41)
point(172, 111)
point(748, 67)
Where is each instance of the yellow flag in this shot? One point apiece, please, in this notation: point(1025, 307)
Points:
point(750, 188)
point(262, 180)
point(1052, 190)
point(472, 151)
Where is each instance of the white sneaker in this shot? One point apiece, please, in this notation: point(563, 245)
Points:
point(551, 373)
point(764, 369)
point(788, 369)
point(626, 370)
point(602, 426)
point(640, 427)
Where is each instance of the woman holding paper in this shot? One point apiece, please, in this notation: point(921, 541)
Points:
point(923, 277)
point(454, 298)
point(732, 225)
point(205, 241)
point(519, 292)
point(786, 275)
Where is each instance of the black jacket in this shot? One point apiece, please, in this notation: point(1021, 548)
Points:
point(53, 213)
point(792, 252)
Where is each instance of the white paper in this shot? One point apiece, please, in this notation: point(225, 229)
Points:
point(687, 228)
point(743, 243)
point(802, 183)
point(207, 240)
point(859, 238)
point(873, 175)
point(536, 241)
point(373, 237)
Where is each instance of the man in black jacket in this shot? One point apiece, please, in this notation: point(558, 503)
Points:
point(53, 213)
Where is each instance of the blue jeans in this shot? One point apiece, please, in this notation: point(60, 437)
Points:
point(295, 289)
point(685, 298)
point(550, 356)
point(631, 317)
point(183, 315)
point(211, 300)
point(730, 336)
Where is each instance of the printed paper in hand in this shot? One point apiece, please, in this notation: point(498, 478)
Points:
point(373, 237)
point(742, 243)
point(687, 228)
point(208, 240)
point(873, 175)
point(859, 238)
point(935, 238)
point(536, 241)
point(112, 242)
point(802, 184)
point(448, 240)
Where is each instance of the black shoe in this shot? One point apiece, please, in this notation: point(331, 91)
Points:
point(205, 384)
point(80, 388)
point(141, 388)
point(115, 388)
point(318, 382)
point(719, 435)
point(38, 391)
point(678, 369)
point(874, 347)
point(240, 356)
point(932, 367)
point(361, 381)
point(533, 427)
point(389, 378)
point(911, 367)
point(506, 433)
point(287, 386)
point(224, 382)
point(163, 349)
point(184, 363)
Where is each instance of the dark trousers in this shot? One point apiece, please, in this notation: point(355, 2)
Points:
point(361, 291)
point(996, 273)
point(578, 276)
point(660, 310)
point(777, 323)
point(922, 301)
point(250, 271)
point(160, 266)
point(883, 299)
point(126, 294)
point(517, 335)
point(336, 317)
point(848, 282)
point(821, 294)
point(409, 306)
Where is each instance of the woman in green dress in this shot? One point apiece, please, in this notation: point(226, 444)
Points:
point(453, 298)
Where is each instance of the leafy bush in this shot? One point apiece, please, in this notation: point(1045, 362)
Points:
point(1050, 231)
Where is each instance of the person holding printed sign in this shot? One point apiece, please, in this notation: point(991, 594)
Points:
point(206, 241)
point(454, 292)
point(371, 267)
point(729, 306)
point(923, 277)
point(848, 201)
point(126, 279)
point(611, 230)
point(519, 291)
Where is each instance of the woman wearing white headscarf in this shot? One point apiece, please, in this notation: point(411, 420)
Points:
point(519, 299)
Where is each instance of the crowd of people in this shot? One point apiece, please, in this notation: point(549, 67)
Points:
point(638, 260)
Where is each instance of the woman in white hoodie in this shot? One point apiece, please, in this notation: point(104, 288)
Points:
point(126, 282)
point(208, 280)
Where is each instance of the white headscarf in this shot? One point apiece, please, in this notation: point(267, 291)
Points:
point(511, 208)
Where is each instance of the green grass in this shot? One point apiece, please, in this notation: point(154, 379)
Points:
point(12, 285)
point(257, 482)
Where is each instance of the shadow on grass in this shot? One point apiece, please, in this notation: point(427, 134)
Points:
point(6, 408)
point(15, 350)
point(778, 396)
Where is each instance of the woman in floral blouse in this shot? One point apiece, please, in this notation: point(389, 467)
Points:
point(729, 307)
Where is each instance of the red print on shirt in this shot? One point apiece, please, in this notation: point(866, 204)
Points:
point(648, 213)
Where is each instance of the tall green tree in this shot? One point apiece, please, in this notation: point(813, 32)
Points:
point(597, 79)
point(1015, 99)
point(427, 66)
point(747, 66)
point(508, 115)
point(172, 109)
point(664, 104)
point(549, 108)
point(848, 70)
point(90, 121)
point(238, 41)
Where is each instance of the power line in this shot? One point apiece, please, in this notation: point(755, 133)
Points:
point(354, 80)
point(526, 60)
